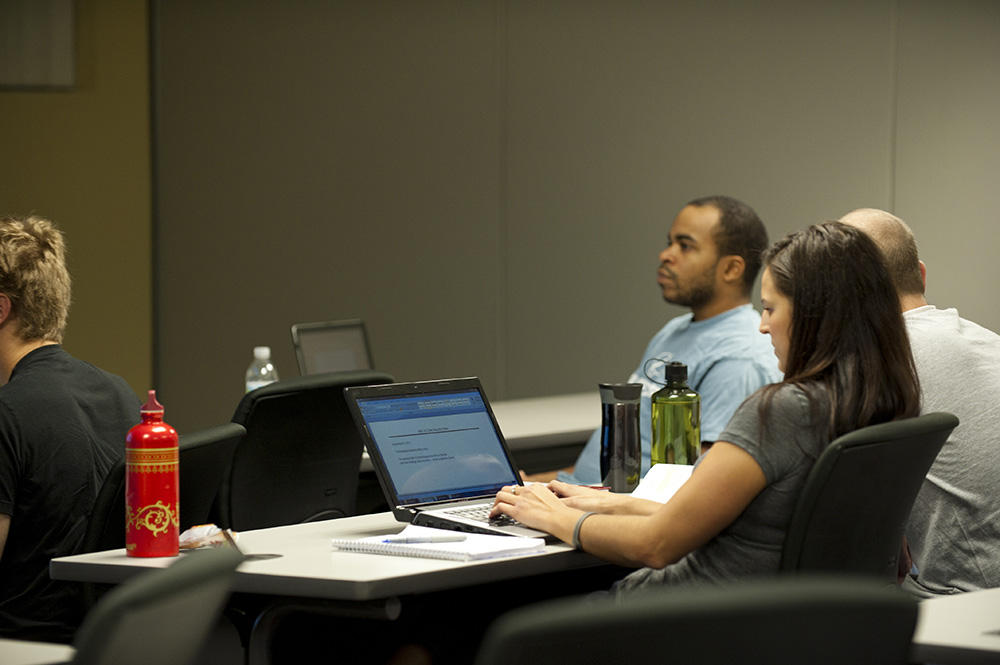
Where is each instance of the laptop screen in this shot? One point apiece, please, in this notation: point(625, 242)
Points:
point(437, 446)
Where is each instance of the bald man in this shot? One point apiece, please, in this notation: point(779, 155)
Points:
point(954, 529)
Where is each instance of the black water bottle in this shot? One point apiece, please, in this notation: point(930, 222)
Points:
point(620, 447)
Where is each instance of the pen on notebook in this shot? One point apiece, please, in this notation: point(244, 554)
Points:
point(426, 539)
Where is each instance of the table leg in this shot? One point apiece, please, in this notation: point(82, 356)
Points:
point(258, 650)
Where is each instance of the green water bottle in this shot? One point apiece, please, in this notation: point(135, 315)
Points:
point(676, 416)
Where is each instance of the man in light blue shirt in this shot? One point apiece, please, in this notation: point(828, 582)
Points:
point(710, 265)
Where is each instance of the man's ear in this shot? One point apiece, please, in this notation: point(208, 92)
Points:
point(6, 307)
point(732, 267)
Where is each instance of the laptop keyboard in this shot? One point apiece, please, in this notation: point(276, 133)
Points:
point(482, 514)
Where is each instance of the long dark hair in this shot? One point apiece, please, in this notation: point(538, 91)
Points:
point(847, 329)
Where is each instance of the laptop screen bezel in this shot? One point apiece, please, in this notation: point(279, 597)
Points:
point(302, 331)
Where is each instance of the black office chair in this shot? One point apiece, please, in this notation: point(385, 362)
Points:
point(782, 620)
point(853, 508)
point(300, 459)
point(106, 524)
point(161, 617)
point(205, 457)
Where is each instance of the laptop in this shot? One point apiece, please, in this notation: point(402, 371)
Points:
point(331, 346)
point(438, 453)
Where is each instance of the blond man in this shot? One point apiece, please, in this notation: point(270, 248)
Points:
point(62, 427)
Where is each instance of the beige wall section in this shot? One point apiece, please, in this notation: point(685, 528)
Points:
point(82, 159)
point(948, 158)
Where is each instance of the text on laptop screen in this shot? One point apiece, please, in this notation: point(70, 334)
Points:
point(429, 442)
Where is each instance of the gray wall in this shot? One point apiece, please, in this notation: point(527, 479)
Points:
point(488, 184)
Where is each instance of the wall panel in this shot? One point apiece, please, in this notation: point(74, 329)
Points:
point(488, 184)
point(321, 161)
point(949, 149)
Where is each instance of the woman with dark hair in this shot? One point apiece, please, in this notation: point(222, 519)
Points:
point(833, 316)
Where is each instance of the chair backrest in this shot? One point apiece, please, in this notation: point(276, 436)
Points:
point(161, 617)
point(106, 524)
point(301, 456)
point(857, 498)
point(780, 620)
point(205, 457)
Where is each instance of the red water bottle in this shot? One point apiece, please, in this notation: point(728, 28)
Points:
point(152, 480)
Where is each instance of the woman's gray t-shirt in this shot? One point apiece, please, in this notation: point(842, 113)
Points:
point(785, 446)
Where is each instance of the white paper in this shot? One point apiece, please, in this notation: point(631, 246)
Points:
point(662, 481)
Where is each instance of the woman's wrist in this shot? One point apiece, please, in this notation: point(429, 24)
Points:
point(575, 541)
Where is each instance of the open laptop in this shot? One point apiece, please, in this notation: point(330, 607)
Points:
point(331, 346)
point(438, 453)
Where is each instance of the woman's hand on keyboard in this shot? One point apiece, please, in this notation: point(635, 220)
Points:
point(592, 500)
point(536, 506)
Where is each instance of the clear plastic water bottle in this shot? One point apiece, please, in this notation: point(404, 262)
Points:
point(261, 371)
point(676, 416)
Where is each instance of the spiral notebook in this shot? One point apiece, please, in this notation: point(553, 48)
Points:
point(474, 547)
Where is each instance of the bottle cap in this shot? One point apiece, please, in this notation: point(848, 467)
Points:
point(262, 352)
point(612, 393)
point(151, 405)
point(676, 372)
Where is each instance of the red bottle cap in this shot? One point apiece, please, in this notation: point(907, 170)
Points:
point(152, 406)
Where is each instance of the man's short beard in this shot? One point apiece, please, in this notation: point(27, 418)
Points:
point(694, 298)
point(700, 293)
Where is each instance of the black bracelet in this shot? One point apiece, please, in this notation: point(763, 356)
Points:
point(576, 530)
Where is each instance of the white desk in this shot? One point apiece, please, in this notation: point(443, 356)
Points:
point(19, 652)
point(963, 629)
point(310, 568)
point(347, 583)
point(539, 422)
